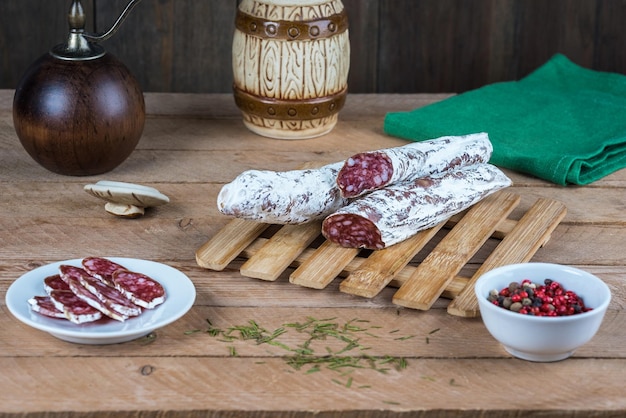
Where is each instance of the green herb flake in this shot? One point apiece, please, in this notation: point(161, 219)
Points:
point(343, 360)
point(407, 337)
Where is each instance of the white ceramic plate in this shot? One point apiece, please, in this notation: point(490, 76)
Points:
point(180, 296)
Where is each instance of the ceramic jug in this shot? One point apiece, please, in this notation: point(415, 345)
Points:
point(290, 61)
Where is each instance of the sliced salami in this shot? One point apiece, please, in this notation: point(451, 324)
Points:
point(141, 289)
point(102, 268)
point(375, 170)
point(91, 299)
point(107, 300)
point(395, 213)
point(74, 308)
point(45, 306)
point(282, 197)
point(110, 296)
point(54, 282)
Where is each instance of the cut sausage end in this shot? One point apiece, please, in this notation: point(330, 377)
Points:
point(364, 172)
point(352, 231)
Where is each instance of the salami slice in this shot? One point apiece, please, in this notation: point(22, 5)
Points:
point(54, 282)
point(141, 289)
point(45, 306)
point(102, 268)
point(393, 214)
point(375, 170)
point(282, 197)
point(107, 300)
point(74, 308)
point(110, 296)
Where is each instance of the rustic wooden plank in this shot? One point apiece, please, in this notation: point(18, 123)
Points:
point(316, 268)
point(454, 251)
point(562, 26)
point(179, 238)
point(257, 382)
point(531, 232)
point(172, 45)
point(450, 360)
point(228, 243)
point(363, 18)
point(280, 251)
point(384, 329)
point(609, 17)
point(420, 67)
point(28, 30)
point(502, 40)
point(319, 267)
point(186, 46)
point(377, 270)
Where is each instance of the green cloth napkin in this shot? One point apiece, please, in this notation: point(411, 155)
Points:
point(562, 123)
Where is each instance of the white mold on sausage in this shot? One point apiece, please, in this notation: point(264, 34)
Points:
point(391, 215)
point(282, 197)
point(374, 170)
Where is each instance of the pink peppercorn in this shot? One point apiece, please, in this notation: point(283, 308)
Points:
point(549, 299)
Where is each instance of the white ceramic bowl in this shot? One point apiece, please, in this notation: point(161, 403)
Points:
point(541, 338)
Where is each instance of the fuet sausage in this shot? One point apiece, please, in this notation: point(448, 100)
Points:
point(390, 215)
point(375, 170)
point(75, 309)
point(95, 293)
point(139, 288)
point(102, 268)
point(282, 197)
point(45, 306)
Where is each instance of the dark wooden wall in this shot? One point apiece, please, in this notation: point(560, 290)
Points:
point(398, 46)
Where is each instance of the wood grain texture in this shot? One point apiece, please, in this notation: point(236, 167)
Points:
point(402, 46)
point(192, 145)
point(322, 265)
point(516, 247)
point(279, 251)
point(447, 259)
point(381, 267)
point(224, 247)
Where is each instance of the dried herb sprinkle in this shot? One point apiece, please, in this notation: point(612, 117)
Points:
point(303, 357)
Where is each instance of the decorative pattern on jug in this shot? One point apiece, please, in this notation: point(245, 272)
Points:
point(290, 64)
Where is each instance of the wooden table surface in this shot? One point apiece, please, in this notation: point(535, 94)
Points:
point(438, 365)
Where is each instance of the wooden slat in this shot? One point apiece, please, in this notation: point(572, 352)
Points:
point(454, 251)
point(454, 288)
point(323, 265)
point(365, 276)
point(531, 232)
point(226, 245)
point(381, 266)
point(280, 251)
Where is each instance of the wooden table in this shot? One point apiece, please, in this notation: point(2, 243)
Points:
point(193, 144)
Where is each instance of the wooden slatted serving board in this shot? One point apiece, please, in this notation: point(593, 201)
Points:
point(366, 273)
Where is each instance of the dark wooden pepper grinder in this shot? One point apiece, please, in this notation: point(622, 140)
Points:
point(78, 110)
